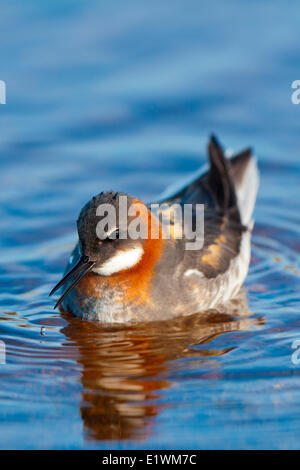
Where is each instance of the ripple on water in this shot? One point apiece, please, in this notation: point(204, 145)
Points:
point(123, 380)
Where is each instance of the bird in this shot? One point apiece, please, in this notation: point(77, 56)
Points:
point(112, 277)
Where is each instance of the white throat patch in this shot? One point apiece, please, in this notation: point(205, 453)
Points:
point(120, 261)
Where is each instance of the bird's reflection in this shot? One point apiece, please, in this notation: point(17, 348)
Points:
point(125, 369)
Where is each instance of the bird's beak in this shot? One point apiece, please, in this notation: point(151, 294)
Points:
point(83, 266)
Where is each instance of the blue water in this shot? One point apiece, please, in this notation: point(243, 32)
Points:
point(123, 95)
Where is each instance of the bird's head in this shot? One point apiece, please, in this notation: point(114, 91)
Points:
point(112, 230)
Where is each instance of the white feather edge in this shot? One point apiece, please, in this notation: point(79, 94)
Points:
point(246, 191)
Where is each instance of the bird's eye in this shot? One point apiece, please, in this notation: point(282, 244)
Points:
point(110, 237)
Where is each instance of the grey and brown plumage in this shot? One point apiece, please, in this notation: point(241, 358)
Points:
point(125, 280)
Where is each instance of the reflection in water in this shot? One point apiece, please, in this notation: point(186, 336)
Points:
point(124, 369)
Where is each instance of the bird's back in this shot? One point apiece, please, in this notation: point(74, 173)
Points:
point(214, 273)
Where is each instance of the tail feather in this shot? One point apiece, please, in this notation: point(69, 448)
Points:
point(234, 181)
point(230, 184)
point(245, 175)
point(219, 177)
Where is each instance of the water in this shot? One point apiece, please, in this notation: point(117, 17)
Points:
point(123, 96)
